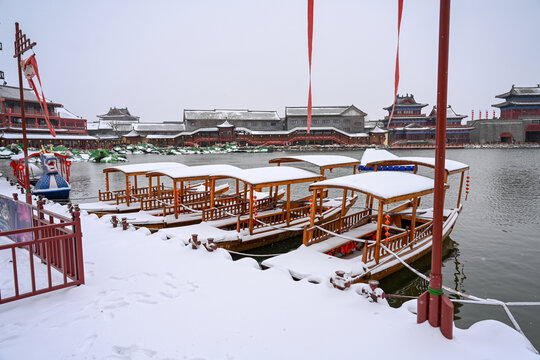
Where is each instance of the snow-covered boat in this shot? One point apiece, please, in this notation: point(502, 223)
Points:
point(251, 222)
point(359, 245)
point(128, 197)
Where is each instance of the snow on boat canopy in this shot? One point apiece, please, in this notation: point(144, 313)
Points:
point(385, 186)
point(266, 175)
point(375, 157)
point(196, 172)
point(322, 161)
point(140, 169)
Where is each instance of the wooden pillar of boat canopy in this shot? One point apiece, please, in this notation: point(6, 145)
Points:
point(175, 199)
point(107, 181)
point(288, 206)
point(237, 188)
point(413, 220)
point(212, 190)
point(312, 212)
point(460, 189)
point(150, 187)
point(250, 209)
point(354, 169)
point(128, 190)
point(135, 181)
point(182, 188)
point(379, 231)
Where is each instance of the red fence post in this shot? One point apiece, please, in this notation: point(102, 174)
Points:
point(78, 244)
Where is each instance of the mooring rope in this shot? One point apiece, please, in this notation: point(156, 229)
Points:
point(472, 298)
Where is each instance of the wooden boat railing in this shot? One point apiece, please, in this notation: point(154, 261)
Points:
point(224, 211)
point(120, 196)
point(398, 242)
point(276, 218)
point(315, 235)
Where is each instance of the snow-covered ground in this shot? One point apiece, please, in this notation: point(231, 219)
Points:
point(148, 298)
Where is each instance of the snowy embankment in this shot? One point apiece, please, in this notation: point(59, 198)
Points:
point(149, 298)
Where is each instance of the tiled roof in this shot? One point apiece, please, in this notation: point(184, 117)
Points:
point(158, 127)
point(12, 93)
point(320, 110)
point(521, 91)
point(405, 101)
point(518, 103)
point(450, 113)
point(230, 115)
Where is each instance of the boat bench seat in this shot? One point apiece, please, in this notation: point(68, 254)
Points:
point(336, 241)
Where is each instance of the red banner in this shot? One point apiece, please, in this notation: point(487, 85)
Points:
point(310, 47)
point(30, 70)
point(396, 79)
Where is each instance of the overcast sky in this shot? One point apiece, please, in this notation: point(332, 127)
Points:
point(160, 57)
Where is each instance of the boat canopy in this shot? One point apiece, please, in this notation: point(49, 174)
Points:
point(322, 161)
point(141, 169)
point(387, 186)
point(276, 175)
point(196, 172)
point(374, 157)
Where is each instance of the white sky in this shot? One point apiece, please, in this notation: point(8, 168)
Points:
point(158, 58)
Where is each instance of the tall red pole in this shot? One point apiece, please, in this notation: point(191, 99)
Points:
point(18, 52)
point(439, 308)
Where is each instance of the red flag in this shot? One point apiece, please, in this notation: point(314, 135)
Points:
point(310, 46)
point(30, 70)
point(396, 79)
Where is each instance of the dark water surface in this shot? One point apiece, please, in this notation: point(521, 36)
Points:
point(494, 249)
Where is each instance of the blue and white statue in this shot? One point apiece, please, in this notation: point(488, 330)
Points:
point(51, 184)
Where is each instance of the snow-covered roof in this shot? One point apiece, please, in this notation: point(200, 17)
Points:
point(162, 136)
point(301, 128)
point(159, 127)
point(196, 171)
point(132, 133)
point(321, 110)
point(47, 136)
point(450, 113)
point(373, 156)
point(133, 169)
point(230, 115)
point(521, 91)
point(225, 124)
point(13, 93)
point(378, 130)
point(92, 125)
point(319, 160)
point(65, 113)
point(384, 185)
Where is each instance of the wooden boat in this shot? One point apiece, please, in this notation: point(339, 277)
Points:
point(182, 205)
point(252, 222)
point(359, 244)
point(128, 197)
point(323, 162)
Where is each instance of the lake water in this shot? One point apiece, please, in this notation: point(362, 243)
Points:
point(493, 252)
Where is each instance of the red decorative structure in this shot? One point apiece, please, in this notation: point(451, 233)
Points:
point(396, 79)
point(433, 305)
point(57, 241)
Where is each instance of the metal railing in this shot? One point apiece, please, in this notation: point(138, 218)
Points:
point(57, 242)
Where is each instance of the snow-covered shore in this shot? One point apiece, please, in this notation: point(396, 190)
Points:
point(146, 298)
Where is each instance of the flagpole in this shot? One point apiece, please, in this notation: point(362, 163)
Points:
point(21, 45)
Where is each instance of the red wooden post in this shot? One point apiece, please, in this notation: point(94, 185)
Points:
point(429, 304)
point(78, 242)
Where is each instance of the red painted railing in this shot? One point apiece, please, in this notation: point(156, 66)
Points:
point(57, 243)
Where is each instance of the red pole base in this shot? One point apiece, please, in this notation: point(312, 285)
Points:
point(438, 310)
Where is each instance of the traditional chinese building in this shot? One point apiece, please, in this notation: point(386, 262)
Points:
point(254, 120)
point(118, 121)
point(346, 118)
point(519, 119)
point(410, 126)
point(70, 129)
